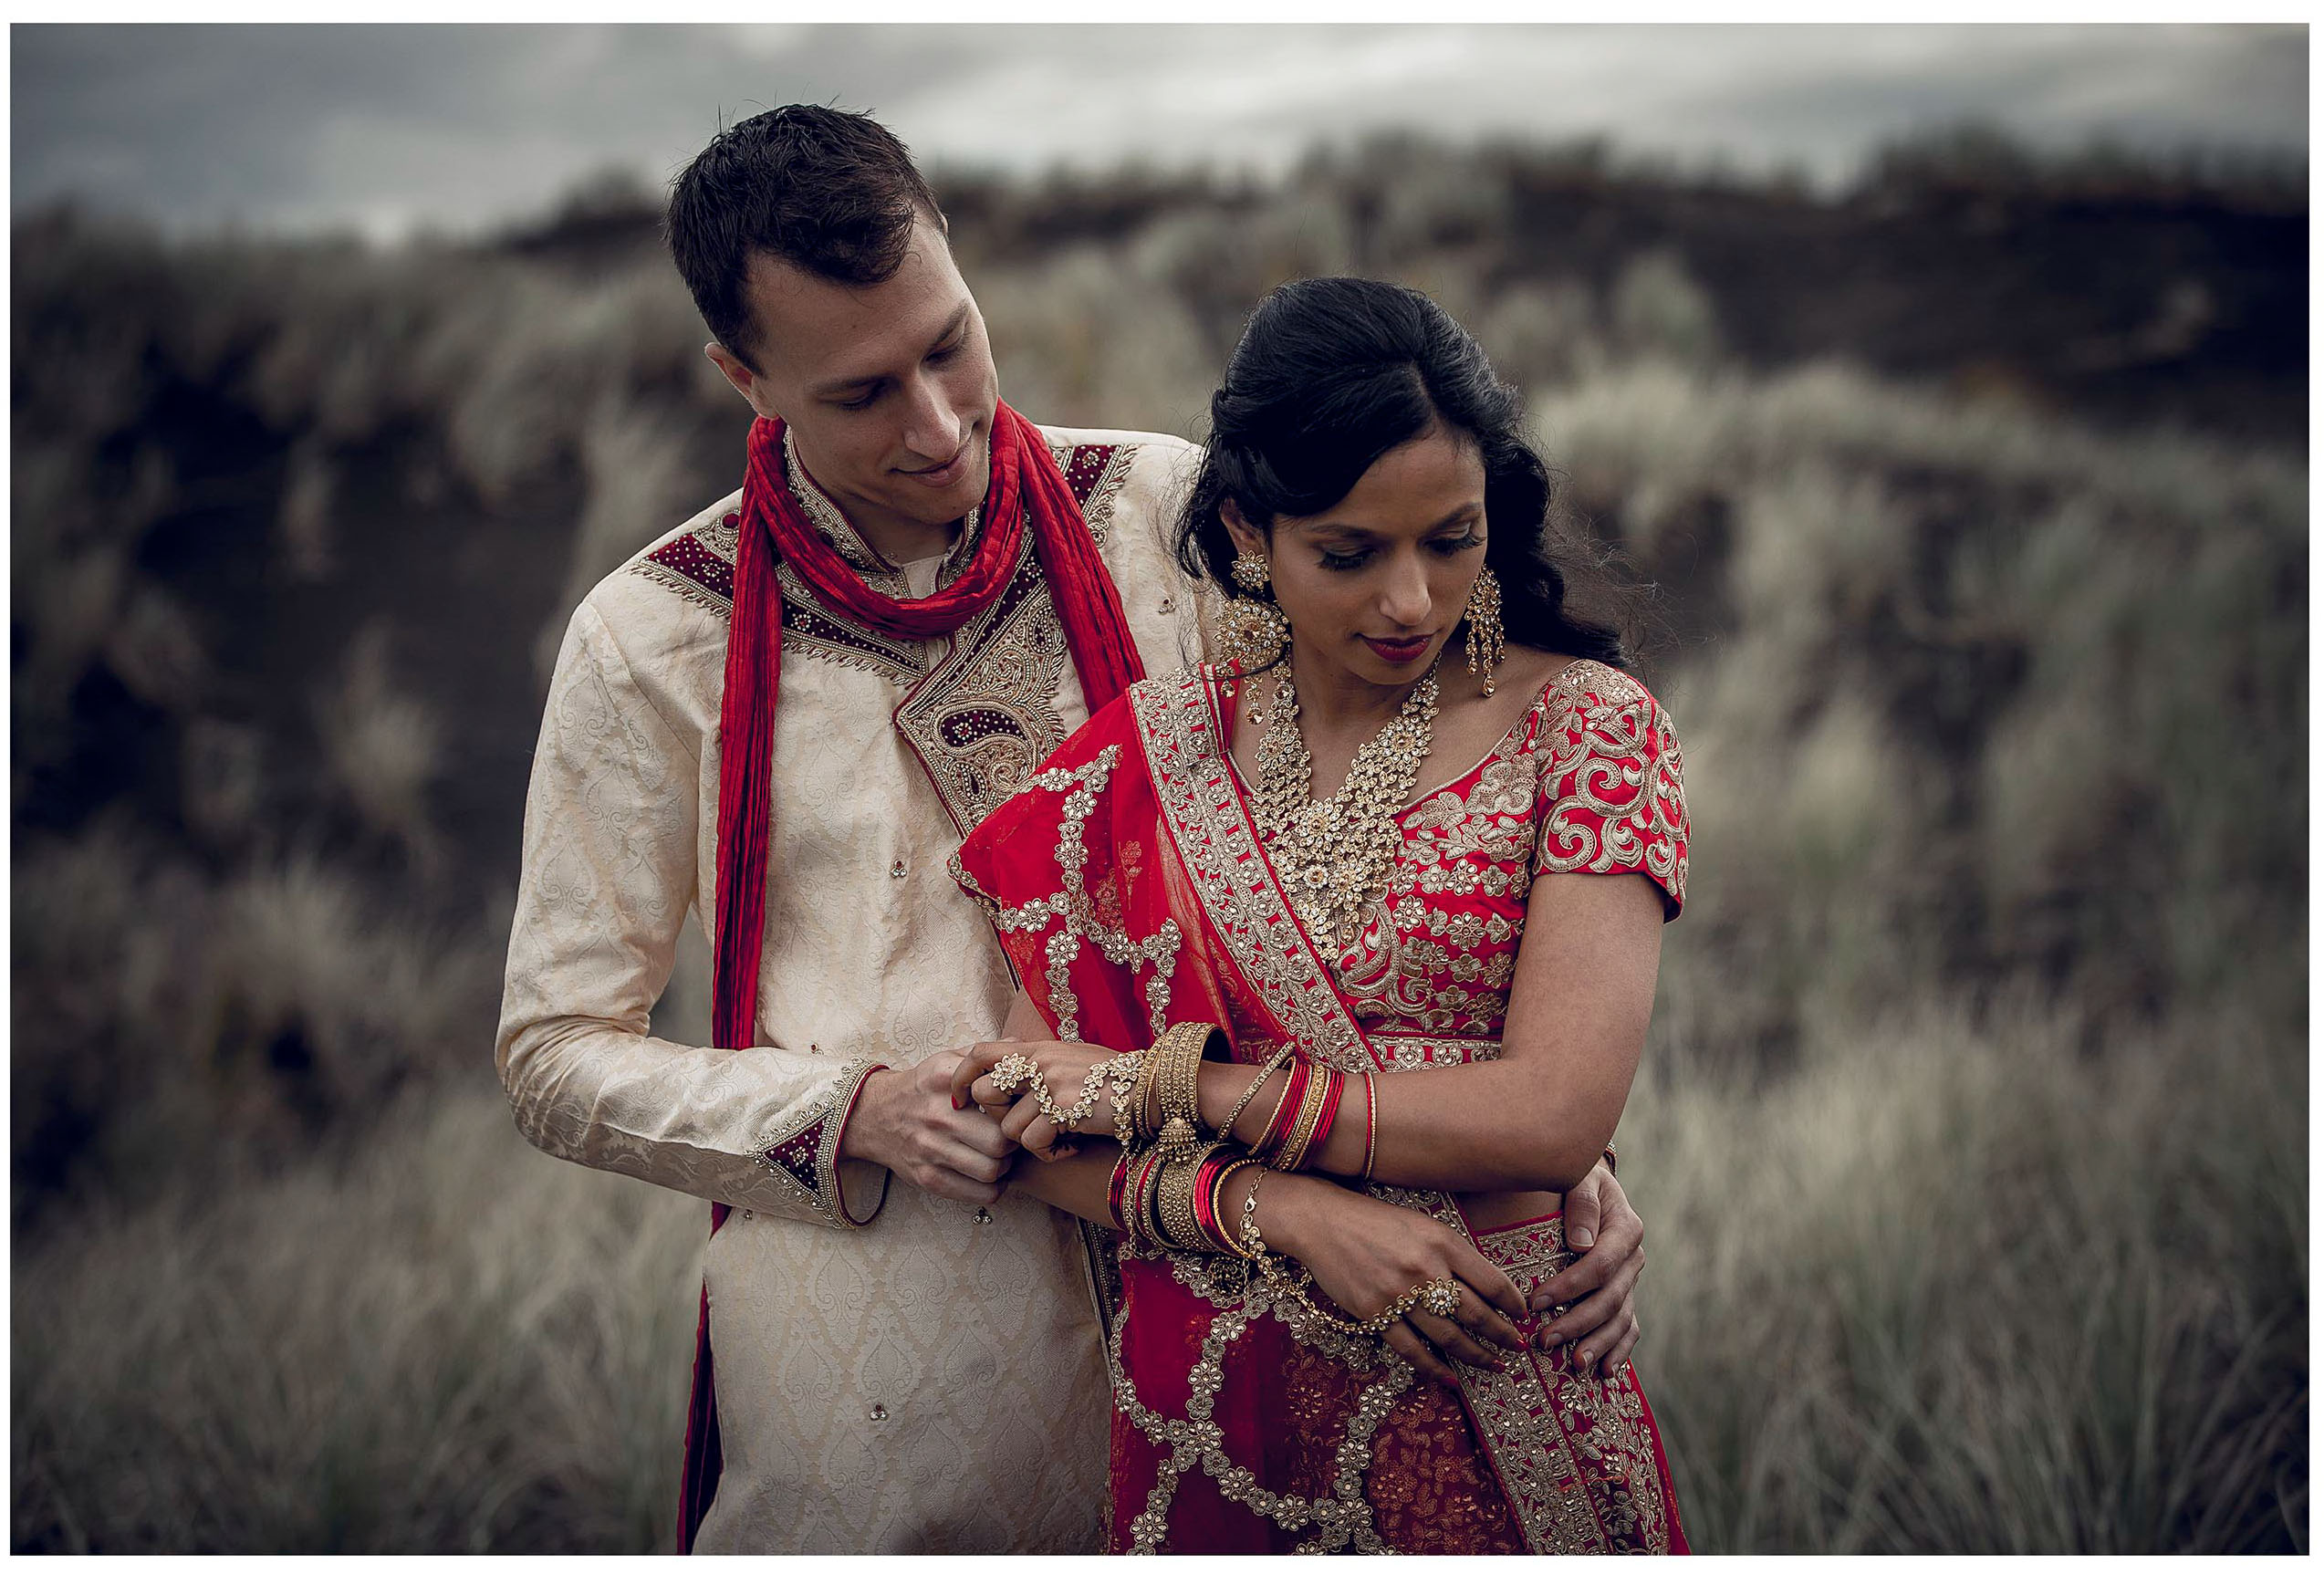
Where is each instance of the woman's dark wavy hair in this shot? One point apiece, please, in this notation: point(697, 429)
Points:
point(1331, 374)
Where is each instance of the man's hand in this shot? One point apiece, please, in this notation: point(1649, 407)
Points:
point(905, 1122)
point(1600, 1319)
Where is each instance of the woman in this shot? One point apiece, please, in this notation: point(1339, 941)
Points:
point(1359, 908)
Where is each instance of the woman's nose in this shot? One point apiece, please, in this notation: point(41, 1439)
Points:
point(1404, 597)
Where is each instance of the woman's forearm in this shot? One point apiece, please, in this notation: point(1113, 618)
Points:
point(1076, 1186)
point(1489, 1126)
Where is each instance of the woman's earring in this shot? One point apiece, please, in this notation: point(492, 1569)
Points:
point(1251, 628)
point(1486, 643)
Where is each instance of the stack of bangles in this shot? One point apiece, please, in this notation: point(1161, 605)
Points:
point(1167, 1186)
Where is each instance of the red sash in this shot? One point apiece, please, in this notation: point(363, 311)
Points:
point(1026, 491)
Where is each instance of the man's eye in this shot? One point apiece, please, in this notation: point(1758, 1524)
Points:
point(865, 402)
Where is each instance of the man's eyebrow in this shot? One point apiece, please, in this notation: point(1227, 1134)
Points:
point(952, 325)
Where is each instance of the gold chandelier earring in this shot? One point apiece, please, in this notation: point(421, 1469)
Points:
point(1487, 641)
point(1252, 630)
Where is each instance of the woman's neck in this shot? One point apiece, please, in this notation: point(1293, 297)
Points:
point(1335, 701)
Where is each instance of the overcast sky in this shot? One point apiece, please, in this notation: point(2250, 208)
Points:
point(387, 128)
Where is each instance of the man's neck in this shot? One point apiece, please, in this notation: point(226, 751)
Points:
point(892, 538)
point(901, 540)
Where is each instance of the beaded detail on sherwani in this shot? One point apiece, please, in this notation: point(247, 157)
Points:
point(933, 1380)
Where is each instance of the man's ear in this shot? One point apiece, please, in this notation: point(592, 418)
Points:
point(737, 371)
point(1247, 538)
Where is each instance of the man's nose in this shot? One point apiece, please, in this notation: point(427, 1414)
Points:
point(931, 427)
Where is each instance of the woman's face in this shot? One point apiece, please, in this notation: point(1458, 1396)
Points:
point(1374, 585)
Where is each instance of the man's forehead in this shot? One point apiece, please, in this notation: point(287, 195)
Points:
point(819, 329)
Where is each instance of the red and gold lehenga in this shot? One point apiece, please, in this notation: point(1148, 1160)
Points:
point(1132, 890)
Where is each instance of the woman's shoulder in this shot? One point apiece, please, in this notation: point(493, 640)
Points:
point(1577, 692)
point(1583, 684)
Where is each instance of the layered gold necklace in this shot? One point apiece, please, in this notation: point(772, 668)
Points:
point(1334, 855)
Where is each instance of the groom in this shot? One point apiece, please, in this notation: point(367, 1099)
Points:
point(781, 717)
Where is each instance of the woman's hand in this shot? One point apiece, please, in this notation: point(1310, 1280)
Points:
point(1364, 1254)
point(1065, 1068)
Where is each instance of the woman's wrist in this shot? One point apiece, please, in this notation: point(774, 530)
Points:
point(1287, 1206)
point(1236, 1098)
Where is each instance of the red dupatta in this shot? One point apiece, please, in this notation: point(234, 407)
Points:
point(1136, 842)
point(1027, 492)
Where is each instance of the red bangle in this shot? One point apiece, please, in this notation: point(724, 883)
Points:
point(1115, 1184)
point(1206, 1215)
point(1335, 1087)
point(1286, 1108)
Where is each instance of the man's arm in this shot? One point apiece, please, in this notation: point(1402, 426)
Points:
point(610, 833)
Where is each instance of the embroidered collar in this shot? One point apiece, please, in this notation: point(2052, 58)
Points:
point(833, 526)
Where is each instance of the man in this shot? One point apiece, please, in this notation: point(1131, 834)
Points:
point(914, 1369)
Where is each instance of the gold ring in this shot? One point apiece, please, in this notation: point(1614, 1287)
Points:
point(1012, 1073)
point(1441, 1296)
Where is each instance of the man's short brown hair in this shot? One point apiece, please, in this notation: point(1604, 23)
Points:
point(827, 192)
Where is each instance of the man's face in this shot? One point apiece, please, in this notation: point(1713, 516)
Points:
point(889, 389)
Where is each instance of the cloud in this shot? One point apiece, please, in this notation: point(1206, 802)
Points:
point(388, 127)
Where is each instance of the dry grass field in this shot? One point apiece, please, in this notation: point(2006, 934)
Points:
point(1971, 1137)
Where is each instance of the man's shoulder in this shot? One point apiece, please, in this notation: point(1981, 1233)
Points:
point(1107, 460)
point(667, 609)
point(691, 566)
point(1160, 443)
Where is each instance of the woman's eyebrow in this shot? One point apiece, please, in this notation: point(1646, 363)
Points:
point(1467, 512)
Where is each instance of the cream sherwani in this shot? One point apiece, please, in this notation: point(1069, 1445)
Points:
point(929, 1380)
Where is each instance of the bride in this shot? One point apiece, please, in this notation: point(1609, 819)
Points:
point(1376, 904)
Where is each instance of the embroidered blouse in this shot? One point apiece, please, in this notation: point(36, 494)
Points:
point(1588, 780)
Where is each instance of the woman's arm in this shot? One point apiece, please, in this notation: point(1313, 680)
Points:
point(1537, 1118)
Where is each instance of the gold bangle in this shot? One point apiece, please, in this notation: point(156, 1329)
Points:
point(1226, 1237)
point(1179, 1085)
point(1176, 1202)
point(1610, 1159)
point(1226, 1127)
point(1320, 1085)
point(1372, 1124)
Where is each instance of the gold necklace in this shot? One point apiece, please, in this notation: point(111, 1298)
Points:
point(1334, 855)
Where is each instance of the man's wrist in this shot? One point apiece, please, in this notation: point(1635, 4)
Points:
point(860, 1125)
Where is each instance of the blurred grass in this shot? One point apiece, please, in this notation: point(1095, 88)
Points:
point(440, 1341)
point(1971, 1139)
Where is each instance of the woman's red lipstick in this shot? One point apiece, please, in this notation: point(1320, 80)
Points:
point(1398, 652)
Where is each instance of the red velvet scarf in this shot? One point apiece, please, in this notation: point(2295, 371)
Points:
point(1027, 489)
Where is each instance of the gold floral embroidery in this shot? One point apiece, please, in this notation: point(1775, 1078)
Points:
point(1070, 908)
point(988, 714)
point(1625, 804)
point(1576, 1454)
point(1220, 846)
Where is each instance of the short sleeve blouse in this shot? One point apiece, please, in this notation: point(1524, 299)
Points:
point(1588, 781)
